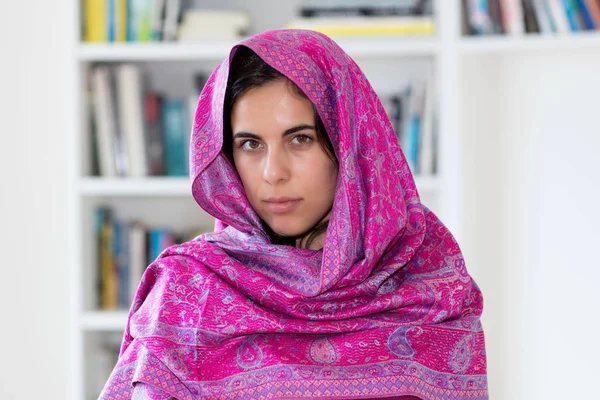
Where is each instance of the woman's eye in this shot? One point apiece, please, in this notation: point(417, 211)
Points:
point(250, 145)
point(301, 139)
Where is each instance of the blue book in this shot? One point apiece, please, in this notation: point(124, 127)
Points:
point(413, 139)
point(173, 116)
point(112, 23)
point(571, 11)
point(131, 35)
point(586, 15)
point(121, 263)
point(156, 243)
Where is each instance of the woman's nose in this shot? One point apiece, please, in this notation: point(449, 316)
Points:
point(276, 169)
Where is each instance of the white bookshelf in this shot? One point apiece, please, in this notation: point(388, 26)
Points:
point(388, 62)
point(218, 50)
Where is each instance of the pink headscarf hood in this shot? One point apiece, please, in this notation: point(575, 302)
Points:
point(387, 308)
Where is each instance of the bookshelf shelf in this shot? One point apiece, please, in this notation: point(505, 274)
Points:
point(154, 186)
point(218, 50)
point(106, 321)
point(530, 42)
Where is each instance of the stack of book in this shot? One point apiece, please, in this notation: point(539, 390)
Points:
point(412, 115)
point(134, 132)
point(124, 249)
point(107, 21)
point(514, 17)
point(366, 17)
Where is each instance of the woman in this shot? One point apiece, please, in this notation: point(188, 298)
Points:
point(325, 277)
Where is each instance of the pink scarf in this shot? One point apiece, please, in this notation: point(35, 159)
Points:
point(386, 309)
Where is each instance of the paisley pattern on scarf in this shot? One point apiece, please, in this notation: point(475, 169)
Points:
point(386, 309)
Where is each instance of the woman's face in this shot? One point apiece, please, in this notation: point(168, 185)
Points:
point(288, 178)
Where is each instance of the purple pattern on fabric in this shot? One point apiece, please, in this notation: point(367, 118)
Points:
point(386, 309)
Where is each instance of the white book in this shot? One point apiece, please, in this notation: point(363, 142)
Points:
point(559, 16)
point(427, 143)
point(172, 10)
point(156, 18)
point(137, 256)
point(542, 17)
point(104, 116)
point(512, 16)
point(131, 114)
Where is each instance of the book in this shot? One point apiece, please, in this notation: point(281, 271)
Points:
point(414, 126)
point(117, 20)
point(365, 8)
point(425, 157)
point(175, 140)
point(154, 135)
point(157, 18)
point(593, 7)
point(531, 23)
point(512, 17)
point(367, 26)
point(104, 117)
point(572, 17)
point(130, 103)
point(495, 16)
point(479, 17)
point(139, 14)
point(558, 16)
point(200, 24)
point(586, 15)
point(95, 21)
point(137, 256)
point(171, 21)
point(108, 273)
point(121, 247)
point(541, 14)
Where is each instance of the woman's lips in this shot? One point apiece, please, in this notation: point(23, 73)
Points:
point(282, 206)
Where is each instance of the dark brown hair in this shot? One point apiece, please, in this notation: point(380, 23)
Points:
point(249, 71)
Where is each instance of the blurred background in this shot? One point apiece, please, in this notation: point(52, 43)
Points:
point(495, 103)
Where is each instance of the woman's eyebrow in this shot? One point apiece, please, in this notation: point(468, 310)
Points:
point(246, 135)
point(287, 132)
point(297, 129)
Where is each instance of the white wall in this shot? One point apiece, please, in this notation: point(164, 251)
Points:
point(531, 208)
point(33, 281)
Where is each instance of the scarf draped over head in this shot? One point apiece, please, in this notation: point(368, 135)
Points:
point(386, 309)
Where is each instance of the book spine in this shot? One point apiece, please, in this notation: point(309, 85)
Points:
point(137, 256)
point(512, 17)
point(154, 134)
point(109, 278)
point(105, 121)
point(131, 21)
point(368, 26)
point(586, 15)
point(111, 21)
point(130, 91)
point(121, 21)
point(156, 20)
point(426, 144)
point(558, 16)
point(95, 21)
point(143, 12)
point(594, 8)
point(174, 130)
point(571, 12)
point(479, 18)
point(172, 11)
point(542, 17)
